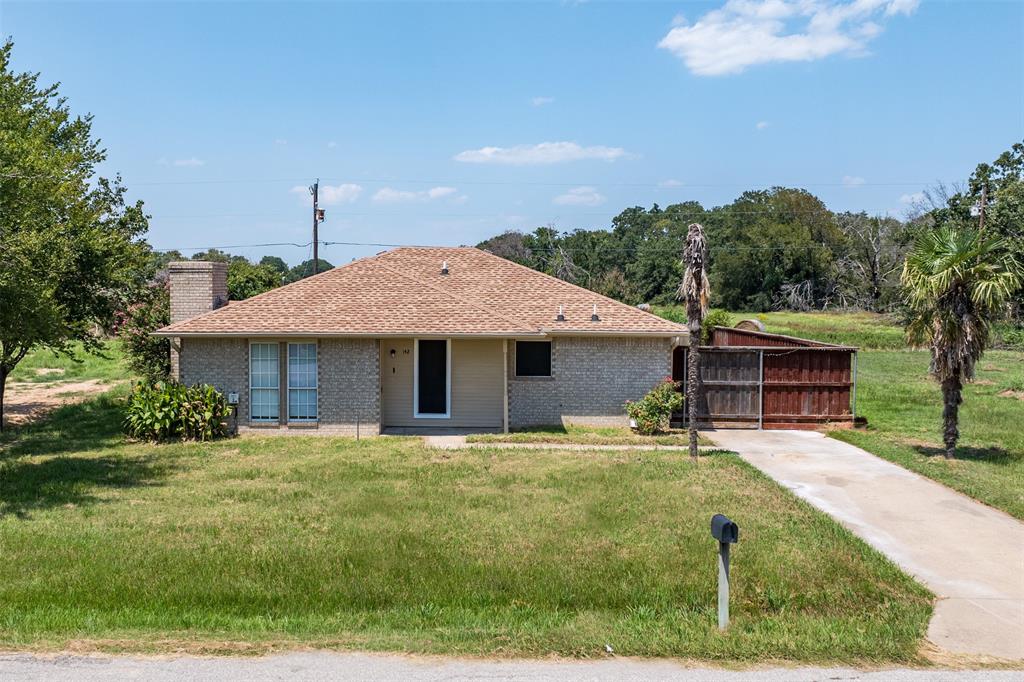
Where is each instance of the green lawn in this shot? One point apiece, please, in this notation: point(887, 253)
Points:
point(45, 365)
point(903, 406)
point(382, 544)
point(574, 434)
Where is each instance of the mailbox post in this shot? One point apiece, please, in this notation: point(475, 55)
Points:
point(727, 533)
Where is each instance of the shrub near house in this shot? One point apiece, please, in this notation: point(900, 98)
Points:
point(171, 411)
point(653, 412)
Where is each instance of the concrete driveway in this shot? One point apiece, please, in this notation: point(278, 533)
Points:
point(970, 555)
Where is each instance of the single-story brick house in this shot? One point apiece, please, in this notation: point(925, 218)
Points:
point(416, 338)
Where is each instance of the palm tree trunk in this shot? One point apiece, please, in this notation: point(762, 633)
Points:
point(692, 379)
point(951, 399)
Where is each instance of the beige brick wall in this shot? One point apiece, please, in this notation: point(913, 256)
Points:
point(592, 377)
point(222, 363)
point(197, 287)
point(348, 380)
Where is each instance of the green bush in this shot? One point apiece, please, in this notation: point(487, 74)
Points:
point(1009, 336)
point(172, 411)
point(716, 317)
point(653, 412)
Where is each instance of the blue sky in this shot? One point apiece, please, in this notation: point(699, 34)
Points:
point(447, 123)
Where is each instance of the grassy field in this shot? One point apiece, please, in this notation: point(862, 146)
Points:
point(382, 544)
point(869, 331)
point(584, 435)
point(45, 365)
point(903, 406)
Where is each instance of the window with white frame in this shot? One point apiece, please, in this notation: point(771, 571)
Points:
point(302, 386)
point(264, 382)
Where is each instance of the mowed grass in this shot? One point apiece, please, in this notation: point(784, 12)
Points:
point(903, 406)
point(575, 434)
point(383, 544)
point(44, 365)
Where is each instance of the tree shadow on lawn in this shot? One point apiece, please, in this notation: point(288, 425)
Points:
point(57, 461)
point(991, 455)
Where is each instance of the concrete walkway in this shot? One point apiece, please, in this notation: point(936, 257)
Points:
point(347, 666)
point(459, 443)
point(970, 555)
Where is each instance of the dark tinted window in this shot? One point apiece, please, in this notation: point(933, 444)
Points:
point(533, 358)
point(433, 377)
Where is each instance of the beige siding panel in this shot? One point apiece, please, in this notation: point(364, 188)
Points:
point(396, 383)
point(476, 385)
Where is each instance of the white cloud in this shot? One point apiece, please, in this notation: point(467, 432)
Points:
point(743, 33)
point(665, 184)
point(332, 195)
point(580, 196)
point(543, 153)
point(915, 198)
point(191, 162)
point(390, 195)
point(541, 101)
point(332, 144)
point(853, 181)
point(761, 125)
point(280, 141)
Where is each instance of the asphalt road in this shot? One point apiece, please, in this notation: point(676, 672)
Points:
point(348, 666)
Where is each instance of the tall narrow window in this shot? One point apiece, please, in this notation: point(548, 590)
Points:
point(264, 382)
point(301, 382)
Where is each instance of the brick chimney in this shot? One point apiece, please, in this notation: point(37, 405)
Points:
point(197, 287)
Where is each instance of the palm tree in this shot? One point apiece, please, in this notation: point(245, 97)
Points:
point(695, 291)
point(957, 284)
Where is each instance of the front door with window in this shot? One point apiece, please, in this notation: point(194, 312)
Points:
point(431, 392)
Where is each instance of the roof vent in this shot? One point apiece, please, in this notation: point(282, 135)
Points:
point(593, 315)
point(561, 314)
point(444, 268)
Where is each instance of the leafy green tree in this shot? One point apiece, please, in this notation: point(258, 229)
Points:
point(276, 264)
point(148, 356)
point(71, 248)
point(1002, 183)
point(774, 248)
point(958, 282)
point(305, 269)
point(246, 280)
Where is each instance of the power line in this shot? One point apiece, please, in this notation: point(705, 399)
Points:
point(535, 183)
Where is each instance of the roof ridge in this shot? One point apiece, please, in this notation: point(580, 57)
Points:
point(246, 301)
point(574, 286)
point(460, 298)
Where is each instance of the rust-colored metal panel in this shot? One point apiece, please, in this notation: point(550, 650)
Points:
point(802, 383)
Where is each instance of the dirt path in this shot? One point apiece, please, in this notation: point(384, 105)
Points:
point(28, 401)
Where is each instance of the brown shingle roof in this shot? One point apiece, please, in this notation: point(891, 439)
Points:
point(402, 292)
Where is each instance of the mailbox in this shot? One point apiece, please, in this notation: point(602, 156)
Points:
point(724, 530)
point(232, 398)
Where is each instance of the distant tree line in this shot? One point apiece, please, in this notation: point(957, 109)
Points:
point(245, 278)
point(780, 248)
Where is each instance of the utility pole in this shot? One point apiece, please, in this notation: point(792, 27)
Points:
point(315, 190)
